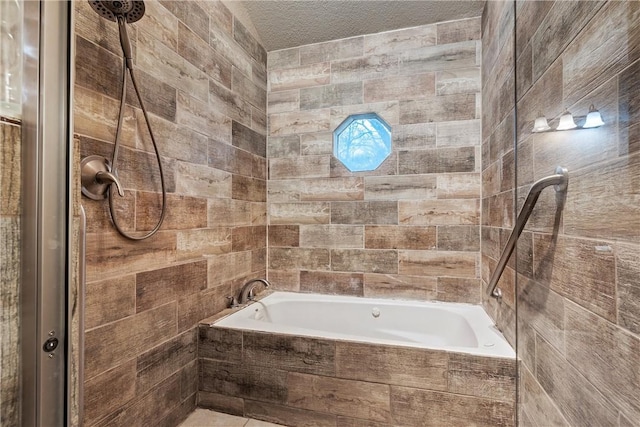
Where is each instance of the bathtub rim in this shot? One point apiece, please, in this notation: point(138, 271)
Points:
point(480, 352)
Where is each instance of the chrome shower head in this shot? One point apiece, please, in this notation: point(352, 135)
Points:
point(131, 10)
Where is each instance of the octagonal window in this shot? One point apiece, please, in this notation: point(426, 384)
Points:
point(362, 142)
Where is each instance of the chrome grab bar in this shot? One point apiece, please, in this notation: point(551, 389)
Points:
point(561, 180)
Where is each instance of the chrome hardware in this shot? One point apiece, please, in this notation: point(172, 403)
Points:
point(233, 301)
point(96, 178)
point(246, 294)
point(560, 181)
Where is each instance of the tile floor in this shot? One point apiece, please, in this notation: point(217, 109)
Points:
point(206, 418)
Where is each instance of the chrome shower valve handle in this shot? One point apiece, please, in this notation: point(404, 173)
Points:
point(97, 177)
point(104, 177)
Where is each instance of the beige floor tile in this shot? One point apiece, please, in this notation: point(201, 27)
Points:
point(206, 418)
point(258, 423)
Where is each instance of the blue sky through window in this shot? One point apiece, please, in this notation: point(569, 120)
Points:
point(362, 142)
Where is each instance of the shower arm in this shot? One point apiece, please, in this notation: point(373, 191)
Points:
point(560, 180)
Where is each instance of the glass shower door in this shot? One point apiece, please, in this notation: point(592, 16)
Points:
point(578, 269)
point(34, 218)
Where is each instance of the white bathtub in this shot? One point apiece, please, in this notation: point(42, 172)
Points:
point(452, 327)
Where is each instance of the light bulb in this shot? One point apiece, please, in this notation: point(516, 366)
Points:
point(540, 125)
point(594, 119)
point(566, 122)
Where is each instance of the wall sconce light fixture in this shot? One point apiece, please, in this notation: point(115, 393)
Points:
point(566, 122)
point(593, 120)
point(541, 125)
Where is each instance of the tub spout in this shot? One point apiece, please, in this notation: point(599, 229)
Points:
point(246, 293)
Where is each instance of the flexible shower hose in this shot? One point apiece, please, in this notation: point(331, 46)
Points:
point(114, 158)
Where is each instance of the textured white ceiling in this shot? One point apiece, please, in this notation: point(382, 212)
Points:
point(288, 23)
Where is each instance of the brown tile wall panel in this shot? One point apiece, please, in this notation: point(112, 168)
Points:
point(457, 289)
point(198, 52)
point(628, 271)
point(109, 345)
point(195, 243)
point(424, 82)
point(109, 300)
point(439, 109)
point(249, 140)
point(537, 403)
point(608, 356)
point(299, 167)
point(486, 377)
point(238, 380)
point(392, 365)
point(220, 344)
point(330, 51)
point(284, 235)
point(332, 236)
point(399, 237)
point(439, 212)
point(563, 263)
point(433, 263)
point(365, 260)
point(399, 286)
point(148, 408)
point(299, 77)
point(333, 95)
point(565, 385)
point(383, 212)
point(401, 187)
point(250, 189)
point(300, 213)
point(414, 136)
point(331, 283)
point(340, 397)
point(458, 238)
point(433, 408)
point(458, 31)
point(283, 101)
point(226, 267)
point(163, 360)
point(441, 160)
point(395, 41)
point(204, 83)
point(459, 186)
point(289, 353)
point(441, 57)
point(333, 189)
point(299, 258)
point(227, 212)
point(157, 287)
point(401, 87)
point(109, 390)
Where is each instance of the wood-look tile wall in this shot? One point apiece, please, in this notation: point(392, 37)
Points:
point(203, 78)
point(498, 179)
point(579, 267)
point(409, 229)
point(10, 269)
point(293, 380)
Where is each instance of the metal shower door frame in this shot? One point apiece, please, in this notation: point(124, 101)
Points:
point(46, 211)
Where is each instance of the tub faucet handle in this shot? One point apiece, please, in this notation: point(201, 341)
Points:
point(233, 301)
